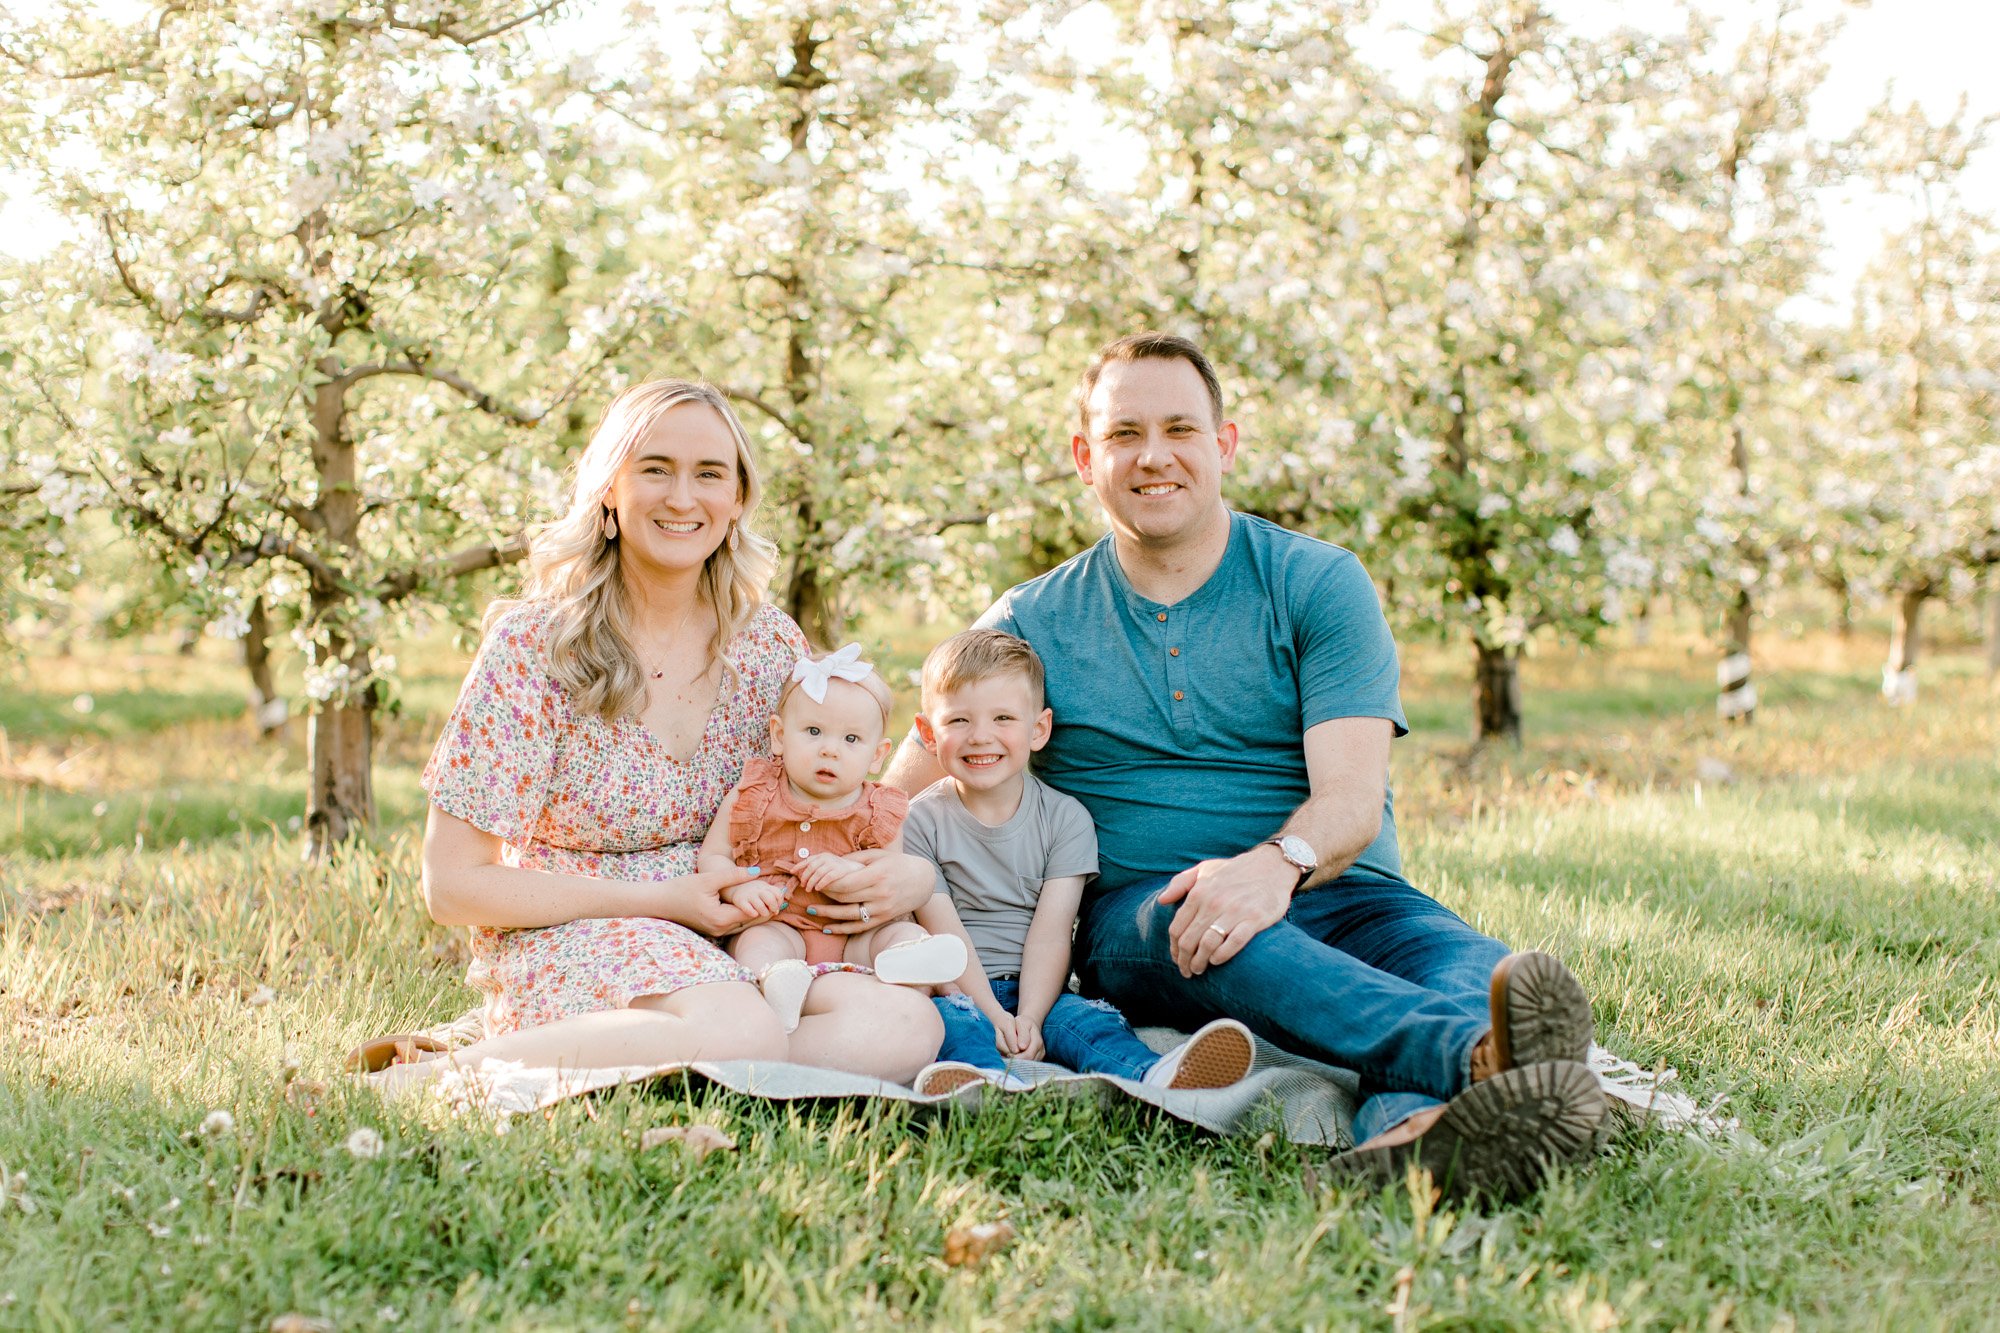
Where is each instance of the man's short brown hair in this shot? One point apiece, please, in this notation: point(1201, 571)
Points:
point(981, 654)
point(1146, 347)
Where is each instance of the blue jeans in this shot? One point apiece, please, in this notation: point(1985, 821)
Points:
point(1371, 976)
point(1088, 1036)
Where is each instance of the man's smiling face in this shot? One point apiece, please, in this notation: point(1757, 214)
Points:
point(1155, 454)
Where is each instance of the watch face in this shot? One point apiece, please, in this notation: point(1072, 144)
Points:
point(1298, 851)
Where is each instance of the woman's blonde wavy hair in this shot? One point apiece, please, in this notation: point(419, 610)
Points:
point(574, 571)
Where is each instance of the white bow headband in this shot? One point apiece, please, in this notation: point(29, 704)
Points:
point(813, 675)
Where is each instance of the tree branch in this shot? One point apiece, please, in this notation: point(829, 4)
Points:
point(272, 546)
point(125, 278)
point(468, 560)
point(452, 32)
point(754, 399)
point(477, 396)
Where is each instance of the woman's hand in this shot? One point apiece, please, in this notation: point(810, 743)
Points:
point(884, 885)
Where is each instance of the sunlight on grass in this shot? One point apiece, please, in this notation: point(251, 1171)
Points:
point(1802, 916)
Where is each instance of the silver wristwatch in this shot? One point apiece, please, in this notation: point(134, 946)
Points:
point(1299, 852)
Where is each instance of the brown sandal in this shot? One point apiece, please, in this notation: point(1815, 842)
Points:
point(404, 1048)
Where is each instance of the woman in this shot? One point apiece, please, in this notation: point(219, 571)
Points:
point(607, 716)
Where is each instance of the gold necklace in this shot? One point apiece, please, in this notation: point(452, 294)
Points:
point(659, 672)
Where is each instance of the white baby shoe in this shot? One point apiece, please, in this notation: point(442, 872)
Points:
point(930, 961)
point(785, 984)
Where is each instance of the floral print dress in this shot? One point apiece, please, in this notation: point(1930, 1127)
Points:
point(581, 795)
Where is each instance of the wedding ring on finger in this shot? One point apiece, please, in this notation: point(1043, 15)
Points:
point(1217, 930)
point(864, 914)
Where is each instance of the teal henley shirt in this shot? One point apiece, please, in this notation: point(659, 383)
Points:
point(1180, 727)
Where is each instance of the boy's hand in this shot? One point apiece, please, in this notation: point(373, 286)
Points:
point(1028, 1039)
point(1003, 1030)
point(821, 869)
point(757, 898)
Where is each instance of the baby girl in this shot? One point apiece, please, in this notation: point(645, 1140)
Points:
point(796, 814)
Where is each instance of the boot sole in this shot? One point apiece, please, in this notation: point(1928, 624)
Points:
point(1498, 1138)
point(1218, 1056)
point(1540, 1012)
point(943, 1082)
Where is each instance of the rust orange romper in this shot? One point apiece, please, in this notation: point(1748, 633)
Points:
point(769, 828)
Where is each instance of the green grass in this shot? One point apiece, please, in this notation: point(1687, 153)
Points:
point(1816, 935)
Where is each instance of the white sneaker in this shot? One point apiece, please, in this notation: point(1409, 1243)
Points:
point(930, 961)
point(942, 1077)
point(1214, 1057)
point(785, 984)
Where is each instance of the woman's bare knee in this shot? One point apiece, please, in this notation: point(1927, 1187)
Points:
point(725, 1021)
point(856, 1023)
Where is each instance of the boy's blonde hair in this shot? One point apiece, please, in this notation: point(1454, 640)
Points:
point(981, 654)
point(878, 689)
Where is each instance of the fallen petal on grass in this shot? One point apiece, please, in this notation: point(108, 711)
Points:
point(294, 1322)
point(965, 1246)
point(701, 1140)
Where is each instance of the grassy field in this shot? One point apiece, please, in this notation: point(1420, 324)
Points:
point(1803, 916)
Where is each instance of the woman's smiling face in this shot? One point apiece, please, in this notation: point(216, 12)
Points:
point(679, 491)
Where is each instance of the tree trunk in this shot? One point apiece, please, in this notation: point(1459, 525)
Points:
point(267, 709)
point(1642, 623)
point(810, 603)
point(339, 745)
point(1496, 694)
point(1993, 626)
point(1843, 622)
point(1899, 675)
point(1736, 694)
point(340, 802)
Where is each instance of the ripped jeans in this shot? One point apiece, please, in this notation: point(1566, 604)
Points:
point(1088, 1036)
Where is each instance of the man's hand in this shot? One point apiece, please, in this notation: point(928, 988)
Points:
point(1225, 904)
point(883, 884)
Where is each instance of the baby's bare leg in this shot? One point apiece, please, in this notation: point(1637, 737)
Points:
point(762, 945)
point(863, 945)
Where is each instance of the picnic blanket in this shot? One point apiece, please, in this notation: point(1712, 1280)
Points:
point(1306, 1101)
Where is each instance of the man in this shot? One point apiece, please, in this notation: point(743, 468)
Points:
point(1225, 693)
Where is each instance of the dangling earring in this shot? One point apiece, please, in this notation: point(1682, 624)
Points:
point(610, 526)
point(735, 537)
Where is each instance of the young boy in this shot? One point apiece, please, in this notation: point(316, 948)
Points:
point(1012, 857)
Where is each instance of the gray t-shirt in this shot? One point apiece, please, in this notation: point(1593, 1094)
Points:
point(994, 875)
